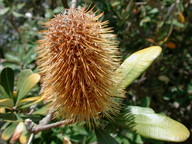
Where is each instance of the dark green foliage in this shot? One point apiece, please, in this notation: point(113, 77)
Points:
point(104, 138)
point(7, 81)
point(166, 86)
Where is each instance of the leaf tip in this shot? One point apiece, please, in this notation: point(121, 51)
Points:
point(36, 77)
point(156, 50)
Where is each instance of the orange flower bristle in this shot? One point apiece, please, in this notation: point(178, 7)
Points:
point(77, 58)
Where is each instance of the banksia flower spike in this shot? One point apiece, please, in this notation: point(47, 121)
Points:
point(77, 58)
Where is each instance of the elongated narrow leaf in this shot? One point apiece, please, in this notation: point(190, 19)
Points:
point(6, 102)
point(104, 138)
point(31, 100)
point(4, 10)
point(18, 116)
point(27, 85)
point(22, 77)
point(3, 93)
point(41, 111)
point(30, 104)
point(8, 132)
point(17, 132)
point(7, 80)
point(8, 116)
point(5, 126)
point(23, 138)
point(136, 64)
point(12, 58)
point(157, 126)
point(27, 100)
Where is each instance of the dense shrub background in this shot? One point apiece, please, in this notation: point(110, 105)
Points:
point(166, 86)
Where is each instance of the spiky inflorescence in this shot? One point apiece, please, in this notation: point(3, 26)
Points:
point(77, 58)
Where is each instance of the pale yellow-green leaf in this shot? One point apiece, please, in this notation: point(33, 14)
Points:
point(8, 132)
point(32, 103)
point(160, 127)
point(140, 110)
point(23, 138)
point(30, 99)
point(136, 64)
point(6, 102)
point(156, 126)
point(41, 111)
point(17, 132)
point(24, 74)
point(27, 85)
point(2, 110)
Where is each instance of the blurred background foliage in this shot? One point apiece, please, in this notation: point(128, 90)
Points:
point(166, 86)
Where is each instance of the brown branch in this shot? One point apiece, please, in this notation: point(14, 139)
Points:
point(46, 119)
point(38, 128)
point(34, 128)
point(32, 109)
point(43, 124)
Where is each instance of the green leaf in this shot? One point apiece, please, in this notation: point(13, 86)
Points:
point(157, 126)
point(27, 85)
point(4, 10)
point(16, 14)
point(104, 138)
point(8, 116)
point(3, 94)
point(141, 110)
point(29, 56)
point(29, 101)
point(58, 10)
point(20, 6)
point(178, 24)
point(22, 77)
point(145, 102)
point(41, 111)
point(116, 3)
point(7, 80)
point(145, 20)
point(8, 132)
point(153, 11)
point(6, 102)
point(19, 118)
point(136, 64)
point(5, 126)
point(12, 58)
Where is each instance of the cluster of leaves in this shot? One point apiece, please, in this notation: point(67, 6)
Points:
point(19, 28)
point(143, 121)
point(14, 104)
point(166, 86)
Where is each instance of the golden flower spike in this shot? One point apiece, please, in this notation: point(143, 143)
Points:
point(77, 57)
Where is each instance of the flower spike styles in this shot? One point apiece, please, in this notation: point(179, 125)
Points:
point(77, 57)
